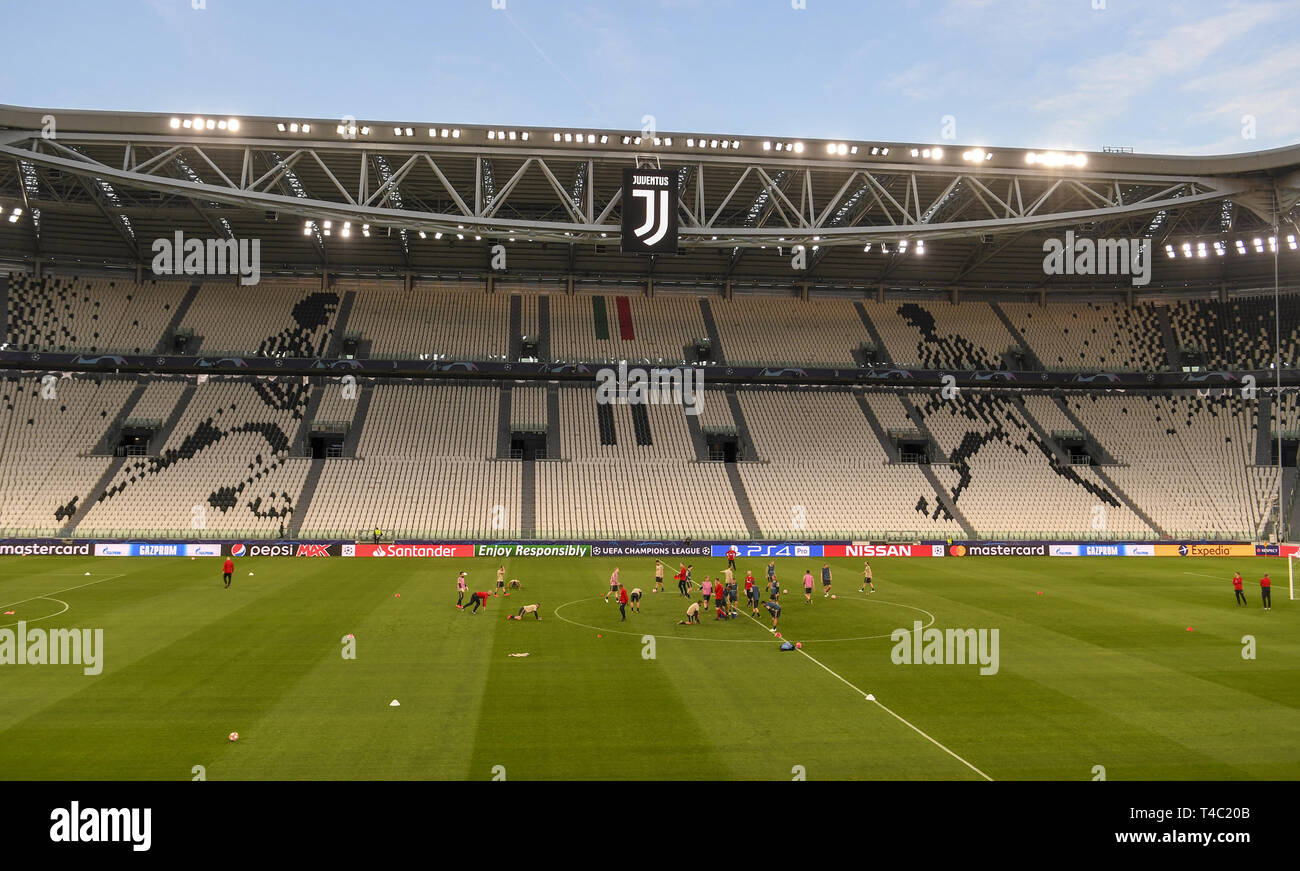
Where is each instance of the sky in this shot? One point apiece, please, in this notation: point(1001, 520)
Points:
point(1158, 76)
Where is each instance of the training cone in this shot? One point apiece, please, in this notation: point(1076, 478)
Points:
point(394, 704)
point(250, 574)
point(869, 697)
point(1040, 592)
point(798, 645)
point(397, 595)
point(87, 574)
point(1189, 629)
point(778, 635)
point(597, 634)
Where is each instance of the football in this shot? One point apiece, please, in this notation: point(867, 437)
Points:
point(234, 736)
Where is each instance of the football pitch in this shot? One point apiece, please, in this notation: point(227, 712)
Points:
point(1097, 672)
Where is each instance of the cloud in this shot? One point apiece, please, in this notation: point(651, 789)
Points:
point(1265, 87)
point(1107, 87)
point(926, 81)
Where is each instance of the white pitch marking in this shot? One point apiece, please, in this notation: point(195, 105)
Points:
point(871, 698)
point(68, 589)
point(39, 619)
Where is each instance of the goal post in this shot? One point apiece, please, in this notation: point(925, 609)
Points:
point(1290, 575)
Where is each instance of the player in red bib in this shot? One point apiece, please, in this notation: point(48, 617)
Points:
point(1236, 589)
point(1266, 592)
point(227, 570)
point(476, 600)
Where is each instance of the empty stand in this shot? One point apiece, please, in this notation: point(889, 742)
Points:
point(92, 315)
point(223, 468)
point(48, 429)
point(1240, 333)
point(941, 335)
point(1187, 460)
point(657, 329)
point(442, 320)
point(1091, 335)
point(788, 332)
point(293, 318)
point(824, 472)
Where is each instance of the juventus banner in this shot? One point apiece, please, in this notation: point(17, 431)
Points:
point(649, 211)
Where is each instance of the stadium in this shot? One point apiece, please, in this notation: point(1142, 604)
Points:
point(1042, 398)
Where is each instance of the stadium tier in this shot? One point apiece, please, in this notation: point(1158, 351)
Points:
point(222, 456)
point(458, 321)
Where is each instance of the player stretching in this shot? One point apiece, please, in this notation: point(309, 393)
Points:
point(527, 609)
point(692, 615)
point(659, 577)
point(807, 586)
point(773, 608)
point(826, 580)
point(227, 571)
point(866, 580)
point(461, 587)
point(478, 600)
point(1237, 591)
point(501, 581)
point(634, 599)
point(1266, 592)
point(613, 585)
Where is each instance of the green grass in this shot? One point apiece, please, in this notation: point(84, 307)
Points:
point(1099, 670)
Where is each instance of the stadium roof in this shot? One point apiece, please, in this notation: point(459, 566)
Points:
point(88, 189)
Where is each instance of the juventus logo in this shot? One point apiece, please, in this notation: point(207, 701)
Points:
point(658, 220)
point(649, 211)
